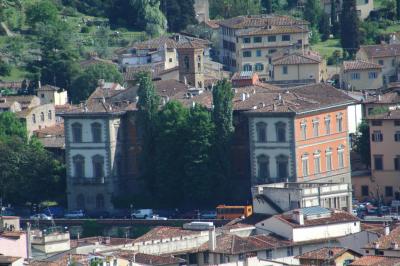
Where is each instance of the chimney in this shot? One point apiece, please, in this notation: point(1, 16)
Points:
point(212, 239)
point(298, 216)
point(39, 84)
point(376, 245)
point(394, 245)
point(387, 229)
point(243, 97)
point(379, 97)
point(100, 83)
point(185, 80)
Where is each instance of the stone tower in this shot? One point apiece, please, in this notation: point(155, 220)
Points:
point(191, 64)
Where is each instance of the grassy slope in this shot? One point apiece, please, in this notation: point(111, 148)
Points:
point(326, 48)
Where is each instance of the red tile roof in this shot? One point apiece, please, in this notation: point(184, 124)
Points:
point(243, 22)
point(325, 253)
point(381, 50)
point(163, 232)
point(147, 259)
point(298, 59)
point(376, 261)
point(359, 65)
point(387, 241)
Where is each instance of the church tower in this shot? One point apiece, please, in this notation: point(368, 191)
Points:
point(191, 64)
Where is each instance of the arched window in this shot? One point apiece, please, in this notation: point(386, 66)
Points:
point(49, 115)
point(328, 125)
point(282, 163)
point(76, 132)
point(339, 122)
point(186, 62)
point(79, 166)
point(261, 129)
point(341, 156)
point(98, 166)
point(280, 132)
point(99, 201)
point(42, 116)
point(328, 154)
point(96, 132)
point(263, 166)
point(259, 67)
point(199, 62)
point(303, 129)
point(34, 118)
point(247, 67)
point(80, 202)
point(317, 162)
point(304, 164)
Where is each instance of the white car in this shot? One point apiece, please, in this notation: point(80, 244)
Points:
point(156, 217)
point(142, 214)
point(41, 216)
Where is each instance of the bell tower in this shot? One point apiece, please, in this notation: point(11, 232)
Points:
point(191, 65)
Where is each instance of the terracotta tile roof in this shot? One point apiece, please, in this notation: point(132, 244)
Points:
point(381, 50)
point(213, 24)
point(387, 241)
point(393, 114)
point(243, 22)
point(56, 130)
point(335, 217)
point(156, 70)
point(147, 259)
point(298, 59)
point(324, 253)
point(272, 30)
point(48, 88)
point(389, 97)
point(107, 241)
point(62, 260)
point(233, 244)
point(359, 65)
point(162, 232)
point(376, 261)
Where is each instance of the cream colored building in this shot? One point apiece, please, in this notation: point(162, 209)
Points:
point(51, 94)
point(248, 42)
point(361, 75)
point(386, 55)
point(299, 66)
point(364, 7)
point(38, 117)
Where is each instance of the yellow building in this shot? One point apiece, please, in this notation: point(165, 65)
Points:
point(361, 75)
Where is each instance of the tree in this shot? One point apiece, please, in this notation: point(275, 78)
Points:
point(362, 143)
point(5, 69)
point(222, 115)
point(156, 23)
point(398, 9)
point(179, 14)
point(349, 32)
point(315, 37)
point(267, 6)
point(312, 12)
point(87, 81)
point(102, 38)
point(41, 12)
point(334, 21)
point(324, 27)
point(10, 126)
point(233, 8)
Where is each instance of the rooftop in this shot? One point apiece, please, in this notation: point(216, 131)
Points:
point(259, 21)
point(359, 65)
point(163, 232)
point(298, 59)
point(324, 253)
point(381, 50)
point(272, 30)
point(107, 241)
point(390, 115)
point(387, 241)
point(147, 259)
point(376, 261)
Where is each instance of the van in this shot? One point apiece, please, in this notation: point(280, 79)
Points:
point(142, 213)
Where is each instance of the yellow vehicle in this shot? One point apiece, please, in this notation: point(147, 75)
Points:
point(233, 212)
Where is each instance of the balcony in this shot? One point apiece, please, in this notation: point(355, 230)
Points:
point(88, 181)
point(271, 180)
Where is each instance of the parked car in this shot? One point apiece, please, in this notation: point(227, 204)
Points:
point(156, 217)
point(142, 213)
point(208, 215)
point(41, 216)
point(75, 214)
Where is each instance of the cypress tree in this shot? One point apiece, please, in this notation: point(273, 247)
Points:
point(349, 32)
point(324, 28)
point(334, 20)
point(312, 12)
point(398, 9)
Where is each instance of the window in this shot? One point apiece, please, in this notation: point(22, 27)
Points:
point(393, 62)
point(186, 62)
point(339, 122)
point(341, 156)
point(246, 40)
point(372, 75)
point(258, 53)
point(282, 163)
point(280, 132)
point(381, 62)
point(397, 136)
point(328, 155)
point(376, 122)
point(42, 116)
point(77, 132)
point(388, 191)
point(49, 115)
point(199, 62)
point(272, 38)
point(285, 38)
point(364, 191)
point(80, 202)
point(397, 122)
point(98, 166)
point(34, 118)
point(355, 76)
point(316, 128)
point(100, 201)
point(284, 70)
point(263, 166)
point(96, 132)
point(328, 125)
point(241, 257)
point(257, 39)
point(304, 164)
point(170, 60)
point(206, 257)
point(271, 51)
point(261, 129)
point(79, 166)
point(289, 251)
point(246, 53)
point(397, 163)
point(317, 162)
point(259, 67)
point(268, 254)
point(377, 136)
point(247, 67)
point(378, 162)
point(303, 128)
point(42, 95)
